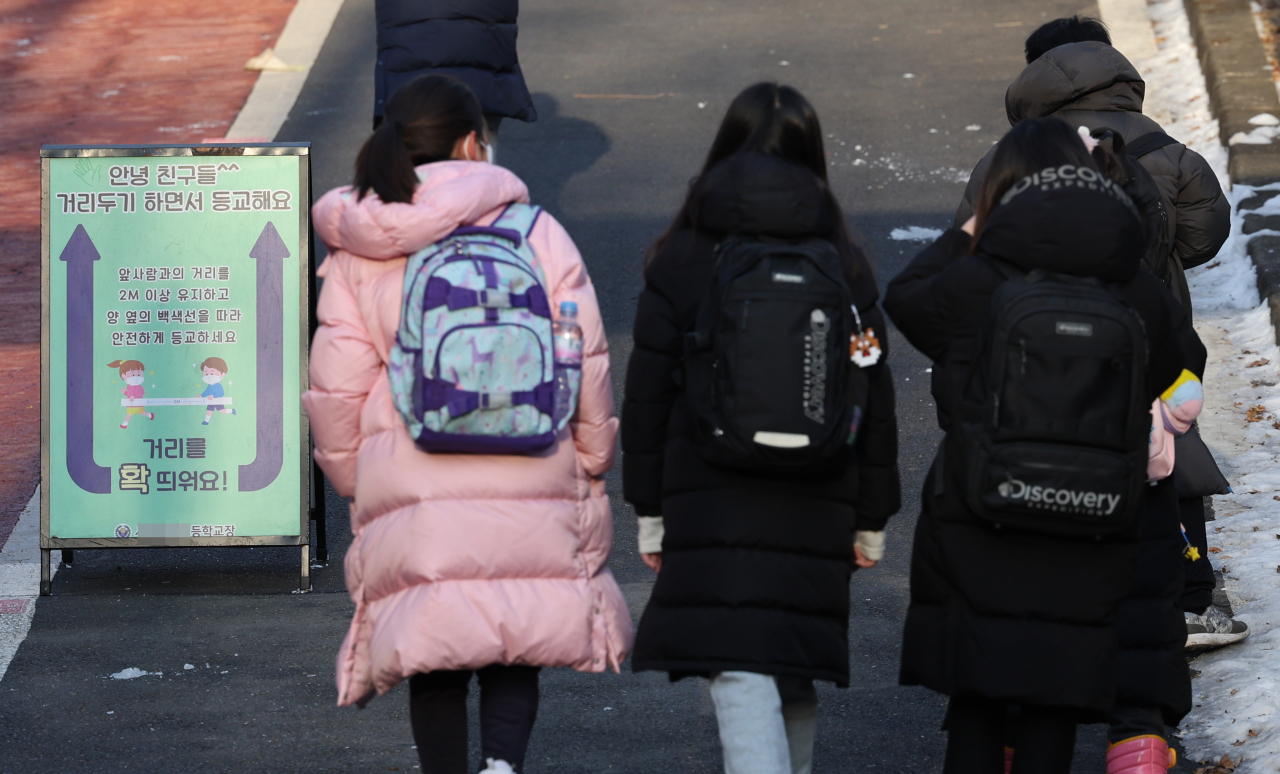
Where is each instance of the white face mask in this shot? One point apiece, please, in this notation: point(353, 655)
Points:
point(212, 379)
point(134, 380)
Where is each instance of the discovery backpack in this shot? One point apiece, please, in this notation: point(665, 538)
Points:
point(1053, 431)
point(767, 370)
point(472, 368)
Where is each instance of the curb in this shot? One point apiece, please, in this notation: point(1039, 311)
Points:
point(1239, 80)
point(1264, 251)
point(1238, 77)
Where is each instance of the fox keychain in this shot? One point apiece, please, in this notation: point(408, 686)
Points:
point(864, 347)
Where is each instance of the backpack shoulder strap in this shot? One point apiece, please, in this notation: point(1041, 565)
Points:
point(518, 217)
point(1006, 269)
point(514, 224)
point(1147, 143)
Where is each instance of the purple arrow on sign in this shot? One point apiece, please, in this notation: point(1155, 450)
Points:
point(269, 252)
point(80, 255)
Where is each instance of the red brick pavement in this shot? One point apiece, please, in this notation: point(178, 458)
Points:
point(96, 71)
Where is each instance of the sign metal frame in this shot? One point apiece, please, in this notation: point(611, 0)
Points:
point(302, 262)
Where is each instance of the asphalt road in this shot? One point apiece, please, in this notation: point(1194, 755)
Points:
point(629, 96)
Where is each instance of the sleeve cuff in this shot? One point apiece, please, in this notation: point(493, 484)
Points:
point(650, 534)
point(871, 544)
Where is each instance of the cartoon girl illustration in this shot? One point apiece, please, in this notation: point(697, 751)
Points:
point(134, 374)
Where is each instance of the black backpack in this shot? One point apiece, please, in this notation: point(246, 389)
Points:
point(1145, 194)
point(767, 371)
point(1054, 426)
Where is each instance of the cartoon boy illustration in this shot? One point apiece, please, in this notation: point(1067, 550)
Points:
point(134, 374)
point(214, 369)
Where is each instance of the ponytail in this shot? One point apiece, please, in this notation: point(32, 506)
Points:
point(424, 119)
point(126, 366)
point(384, 166)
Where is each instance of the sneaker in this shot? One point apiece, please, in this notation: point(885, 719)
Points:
point(1213, 629)
point(497, 766)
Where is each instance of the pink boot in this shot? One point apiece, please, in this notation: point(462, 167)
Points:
point(1140, 755)
point(1008, 760)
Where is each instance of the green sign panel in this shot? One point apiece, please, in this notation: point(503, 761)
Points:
point(174, 346)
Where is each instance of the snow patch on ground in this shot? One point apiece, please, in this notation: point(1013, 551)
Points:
point(1237, 694)
point(1176, 95)
point(132, 672)
point(901, 168)
point(915, 234)
point(1263, 135)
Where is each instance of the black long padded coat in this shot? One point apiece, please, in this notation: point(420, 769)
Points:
point(755, 572)
point(472, 40)
point(1016, 617)
point(1092, 84)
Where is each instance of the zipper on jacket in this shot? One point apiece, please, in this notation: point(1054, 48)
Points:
point(1022, 345)
point(746, 309)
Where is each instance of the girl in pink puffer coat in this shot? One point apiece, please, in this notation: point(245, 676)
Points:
point(460, 563)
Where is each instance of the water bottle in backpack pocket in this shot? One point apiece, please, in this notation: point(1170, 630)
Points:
point(568, 359)
point(767, 371)
point(473, 366)
point(1054, 429)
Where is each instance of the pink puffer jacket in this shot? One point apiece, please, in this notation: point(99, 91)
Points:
point(459, 560)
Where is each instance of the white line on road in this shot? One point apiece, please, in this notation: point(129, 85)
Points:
point(19, 581)
point(274, 93)
point(1130, 27)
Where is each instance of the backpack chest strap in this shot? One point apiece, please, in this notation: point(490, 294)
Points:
point(438, 394)
point(441, 292)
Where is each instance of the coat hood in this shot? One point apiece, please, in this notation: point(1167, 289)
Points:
point(1079, 76)
point(450, 194)
point(758, 194)
point(1066, 220)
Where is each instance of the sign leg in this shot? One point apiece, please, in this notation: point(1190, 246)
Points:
point(304, 583)
point(46, 581)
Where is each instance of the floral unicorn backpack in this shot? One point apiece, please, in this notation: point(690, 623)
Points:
point(473, 367)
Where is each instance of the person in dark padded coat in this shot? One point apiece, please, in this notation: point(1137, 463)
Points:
point(1089, 83)
point(1074, 73)
point(474, 41)
point(1002, 620)
point(753, 587)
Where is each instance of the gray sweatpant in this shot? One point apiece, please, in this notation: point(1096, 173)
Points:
point(766, 722)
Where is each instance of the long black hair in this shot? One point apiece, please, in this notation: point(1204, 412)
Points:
point(1028, 148)
point(424, 119)
point(777, 121)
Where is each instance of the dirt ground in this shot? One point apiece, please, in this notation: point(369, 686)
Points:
point(90, 72)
